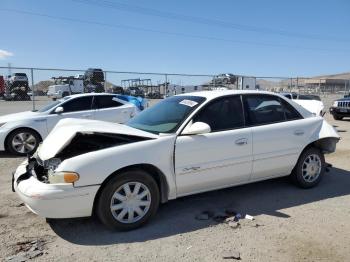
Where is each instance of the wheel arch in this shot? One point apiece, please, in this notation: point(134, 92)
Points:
point(326, 145)
point(21, 128)
point(152, 170)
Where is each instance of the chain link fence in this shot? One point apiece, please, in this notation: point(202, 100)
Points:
point(35, 87)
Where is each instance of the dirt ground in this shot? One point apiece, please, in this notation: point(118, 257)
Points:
point(291, 224)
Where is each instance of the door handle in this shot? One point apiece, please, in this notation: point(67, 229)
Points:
point(299, 132)
point(241, 141)
point(86, 115)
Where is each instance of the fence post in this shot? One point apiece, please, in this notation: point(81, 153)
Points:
point(33, 96)
point(166, 86)
point(298, 85)
point(105, 85)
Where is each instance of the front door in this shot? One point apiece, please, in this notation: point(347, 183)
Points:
point(80, 107)
point(217, 159)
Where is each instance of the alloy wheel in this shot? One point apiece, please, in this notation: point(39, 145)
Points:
point(24, 142)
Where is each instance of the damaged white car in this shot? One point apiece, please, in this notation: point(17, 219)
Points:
point(313, 103)
point(183, 145)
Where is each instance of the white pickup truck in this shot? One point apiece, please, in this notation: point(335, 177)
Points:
point(65, 86)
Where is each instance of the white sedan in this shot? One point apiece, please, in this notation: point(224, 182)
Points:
point(21, 133)
point(313, 103)
point(183, 145)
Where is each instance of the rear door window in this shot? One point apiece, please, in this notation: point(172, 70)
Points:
point(268, 109)
point(101, 102)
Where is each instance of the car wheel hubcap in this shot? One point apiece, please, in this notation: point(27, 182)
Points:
point(130, 202)
point(311, 168)
point(24, 142)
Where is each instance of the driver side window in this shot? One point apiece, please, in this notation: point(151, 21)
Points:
point(78, 104)
point(223, 114)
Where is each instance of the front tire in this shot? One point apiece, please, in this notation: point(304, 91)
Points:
point(309, 169)
point(336, 117)
point(23, 142)
point(128, 201)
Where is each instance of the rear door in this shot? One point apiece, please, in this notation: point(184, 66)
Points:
point(111, 109)
point(217, 159)
point(279, 135)
point(80, 107)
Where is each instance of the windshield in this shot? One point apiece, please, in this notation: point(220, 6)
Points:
point(167, 115)
point(53, 104)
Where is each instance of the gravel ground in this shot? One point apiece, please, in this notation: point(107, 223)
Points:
point(290, 224)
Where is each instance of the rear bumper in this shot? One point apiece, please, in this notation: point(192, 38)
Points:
point(53, 200)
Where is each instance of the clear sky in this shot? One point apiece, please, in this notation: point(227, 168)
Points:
point(260, 38)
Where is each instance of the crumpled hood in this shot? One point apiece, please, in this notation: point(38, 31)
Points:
point(67, 128)
point(19, 116)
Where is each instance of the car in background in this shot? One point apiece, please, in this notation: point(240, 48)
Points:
point(340, 108)
point(18, 77)
point(183, 145)
point(313, 103)
point(21, 133)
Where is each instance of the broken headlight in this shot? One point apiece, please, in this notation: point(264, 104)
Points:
point(52, 163)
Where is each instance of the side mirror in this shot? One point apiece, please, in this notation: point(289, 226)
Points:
point(197, 128)
point(59, 110)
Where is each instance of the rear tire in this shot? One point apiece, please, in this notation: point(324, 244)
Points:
point(309, 169)
point(128, 200)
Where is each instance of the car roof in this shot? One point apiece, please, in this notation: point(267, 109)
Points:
point(92, 94)
point(218, 93)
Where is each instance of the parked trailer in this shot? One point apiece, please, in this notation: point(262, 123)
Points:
point(178, 89)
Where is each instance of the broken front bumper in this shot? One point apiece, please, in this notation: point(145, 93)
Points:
point(53, 200)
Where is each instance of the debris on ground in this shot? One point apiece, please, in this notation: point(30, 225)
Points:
point(238, 216)
point(26, 250)
point(220, 216)
point(232, 255)
point(230, 219)
point(249, 217)
point(234, 225)
point(230, 216)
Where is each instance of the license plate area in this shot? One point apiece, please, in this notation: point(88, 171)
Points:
point(343, 110)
